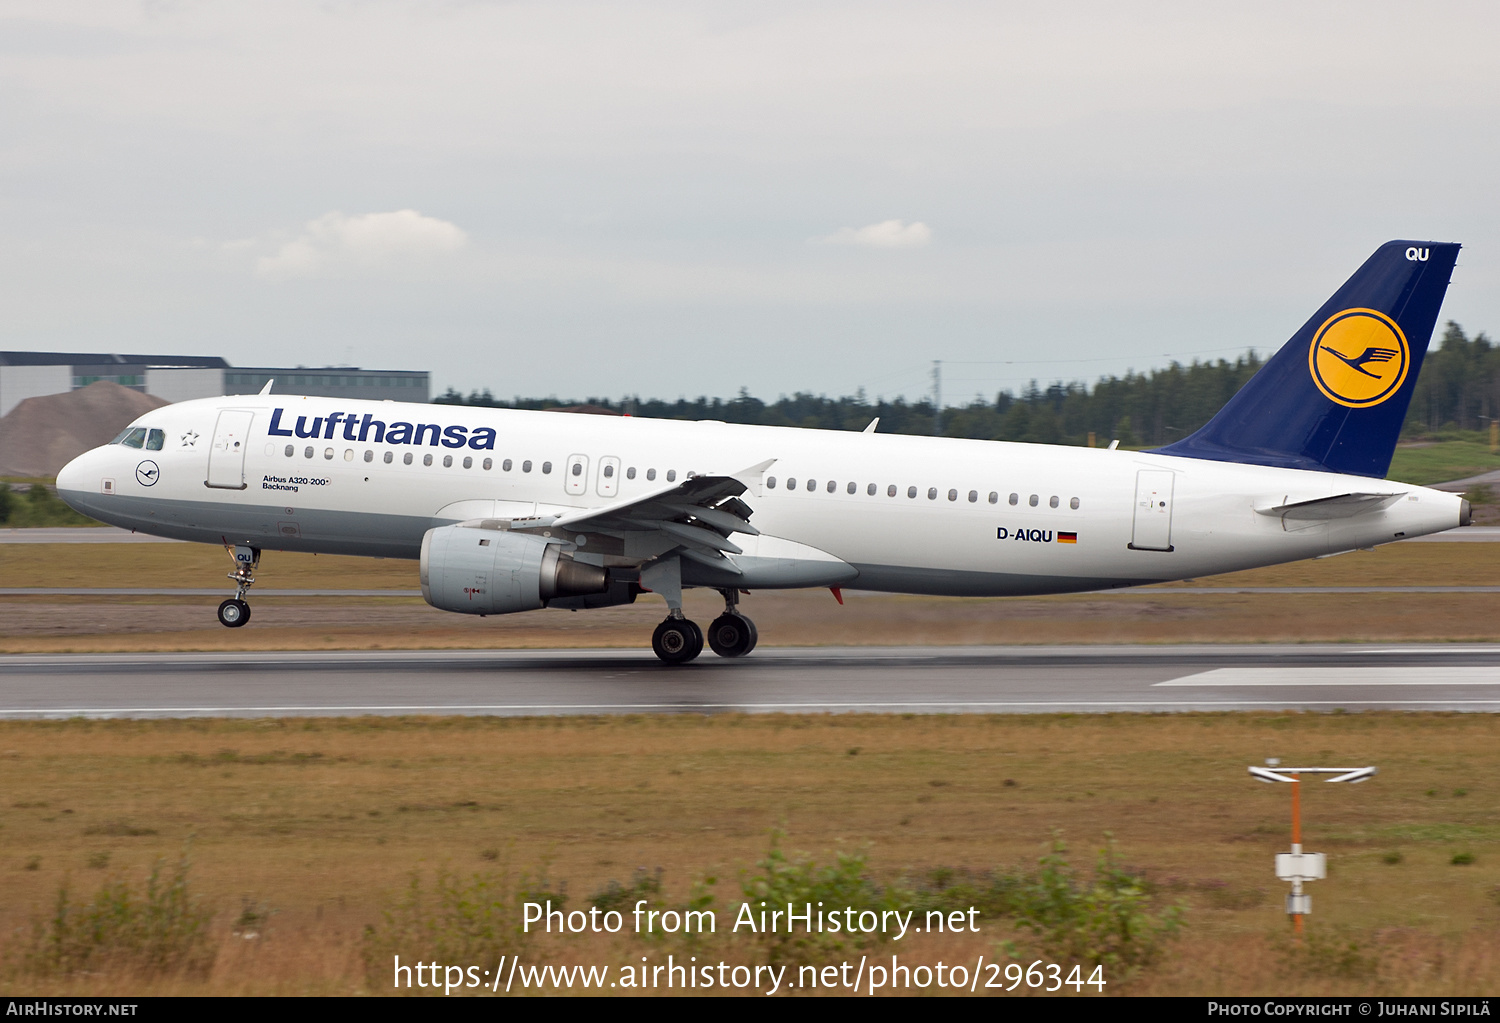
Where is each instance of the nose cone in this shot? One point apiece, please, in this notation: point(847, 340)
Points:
point(70, 477)
point(79, 481)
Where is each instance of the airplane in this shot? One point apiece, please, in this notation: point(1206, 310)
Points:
point(508, 510)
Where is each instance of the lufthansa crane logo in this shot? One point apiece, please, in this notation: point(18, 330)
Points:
point(1359, 358)
point(146, 474)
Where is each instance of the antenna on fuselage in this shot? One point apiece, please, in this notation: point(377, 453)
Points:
point(267, 389)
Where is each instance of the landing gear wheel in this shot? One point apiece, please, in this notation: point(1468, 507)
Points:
point(234, 613)
point(732, 635)
point(677, 641)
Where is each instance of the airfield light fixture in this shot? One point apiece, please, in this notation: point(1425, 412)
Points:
point(1298, 866)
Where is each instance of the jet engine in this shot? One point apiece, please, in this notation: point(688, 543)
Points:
point(495, 572)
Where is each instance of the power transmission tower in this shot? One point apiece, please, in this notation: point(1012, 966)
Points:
point(937, 397)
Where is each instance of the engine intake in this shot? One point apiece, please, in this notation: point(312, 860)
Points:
point(496, 572)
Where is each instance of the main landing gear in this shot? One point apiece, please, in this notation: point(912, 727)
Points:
point(235, 611)
point(732, 634)
point(678, 640)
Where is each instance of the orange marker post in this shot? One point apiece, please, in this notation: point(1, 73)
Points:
point(1297, 866)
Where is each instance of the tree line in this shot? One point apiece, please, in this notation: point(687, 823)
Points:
point(1459, 387)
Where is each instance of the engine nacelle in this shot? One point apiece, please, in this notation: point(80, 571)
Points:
point(495, 572)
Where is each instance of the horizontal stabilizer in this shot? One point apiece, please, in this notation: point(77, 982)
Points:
point(1341, 506)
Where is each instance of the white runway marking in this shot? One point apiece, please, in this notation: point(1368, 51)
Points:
point(1425, 675)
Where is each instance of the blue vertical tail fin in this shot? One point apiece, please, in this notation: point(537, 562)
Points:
point(1334, 397)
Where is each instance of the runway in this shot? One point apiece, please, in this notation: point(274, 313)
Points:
point(923, 680)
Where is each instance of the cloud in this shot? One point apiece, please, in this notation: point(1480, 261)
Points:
point(888, 234)
point(339, 245)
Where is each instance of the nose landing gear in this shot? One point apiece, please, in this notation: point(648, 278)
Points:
point(235, 611)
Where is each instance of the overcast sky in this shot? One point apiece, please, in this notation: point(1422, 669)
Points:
point(686, 198)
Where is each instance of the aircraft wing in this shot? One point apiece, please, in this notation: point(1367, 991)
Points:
point(697, 515)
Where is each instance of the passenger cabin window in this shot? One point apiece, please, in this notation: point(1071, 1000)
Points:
point(852, 486)
point(307, 452)
point(468, 462)
point(1073, 504)
point(974, 496)
point(505, 465)
point(630, 473)
point(911, 492)
point(154, 440)
point(995, 498)
point(447, 461)
point(1033, 501)
point(609, 472)
point(389, 457)
point(770, 482)
point(890, 491)
point(577, 468)
point(1015, 499)
point(406, 458)
point(489, 463)
point(832, 486)
point(546, 468)
point(526, 465)
point(290, 451)
point(870, 490)
point(791, 483)
point(1052, 503)
point(369, 456)
point(426, 459)
point(932, 493)
point(812, 485)
point(650, 474)
point(348, 454)
point(328, 453)
point(953, 495)
point(671, 475)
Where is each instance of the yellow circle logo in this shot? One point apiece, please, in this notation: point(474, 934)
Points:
point(1359, 358)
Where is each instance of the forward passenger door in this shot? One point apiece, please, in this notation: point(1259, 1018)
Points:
point(226, 456)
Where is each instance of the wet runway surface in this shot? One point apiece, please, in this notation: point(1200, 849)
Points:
point(838, 680)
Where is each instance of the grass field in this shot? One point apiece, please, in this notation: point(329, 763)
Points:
point(1159, 614)
point(316, 826)
point(1440, 461)
point(303, 833)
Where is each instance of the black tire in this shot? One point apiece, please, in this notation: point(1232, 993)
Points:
point(697, 640)
point(233, 613)
point(677, 641)
point(732, 635)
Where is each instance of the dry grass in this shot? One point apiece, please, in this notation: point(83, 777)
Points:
point(798, 618)
point(198, 565)
point(33, 625)
point(323, 820)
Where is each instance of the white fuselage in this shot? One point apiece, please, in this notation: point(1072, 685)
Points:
point(946, 516)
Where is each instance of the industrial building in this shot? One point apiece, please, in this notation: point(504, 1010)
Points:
point(180, 377)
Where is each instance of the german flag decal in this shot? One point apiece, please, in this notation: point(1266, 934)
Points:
point(1066, 537)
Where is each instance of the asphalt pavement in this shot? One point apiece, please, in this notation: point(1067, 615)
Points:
point(835, 680)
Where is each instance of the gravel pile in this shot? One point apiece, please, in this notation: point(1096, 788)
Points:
point(41, 435)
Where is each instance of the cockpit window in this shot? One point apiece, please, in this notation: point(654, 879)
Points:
point(155, 439)
point(132, 438)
